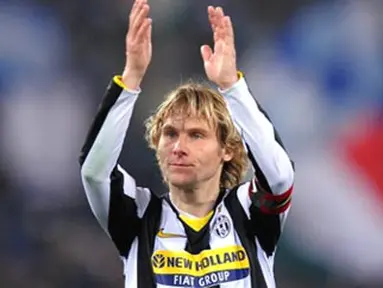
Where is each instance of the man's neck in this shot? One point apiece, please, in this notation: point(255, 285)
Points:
point(198, 201)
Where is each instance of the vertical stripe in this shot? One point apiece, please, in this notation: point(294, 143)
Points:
point(150, 226)
point(123, 222)
point(266, 227)
point(243, 227)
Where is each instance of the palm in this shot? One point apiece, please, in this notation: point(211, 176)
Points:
point(139, 55)
point(138, 38)
point(213, 66)
point(220, 64)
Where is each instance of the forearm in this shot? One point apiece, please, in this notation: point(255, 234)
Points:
point(106, 136)
point(265, 150)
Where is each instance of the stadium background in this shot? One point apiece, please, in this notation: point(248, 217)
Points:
point(315, 65)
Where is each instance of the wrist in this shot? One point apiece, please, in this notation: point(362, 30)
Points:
point(230, 83)
point(131, 80)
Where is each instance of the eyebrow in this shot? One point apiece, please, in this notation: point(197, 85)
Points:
point(191, 129)
point(168, 127)
point(198, 130)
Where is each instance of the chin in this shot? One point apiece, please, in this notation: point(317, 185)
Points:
point(181, 182)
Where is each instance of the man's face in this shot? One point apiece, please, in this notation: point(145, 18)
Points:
point(189, 152)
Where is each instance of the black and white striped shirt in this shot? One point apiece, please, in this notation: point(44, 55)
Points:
point(161, 246)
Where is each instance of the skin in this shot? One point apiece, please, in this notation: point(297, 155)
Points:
point(191, 159)
point(190, 155)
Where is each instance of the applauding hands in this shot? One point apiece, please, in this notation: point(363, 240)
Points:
point(219, 62)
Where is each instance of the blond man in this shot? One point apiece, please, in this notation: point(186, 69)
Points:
point(212, 229)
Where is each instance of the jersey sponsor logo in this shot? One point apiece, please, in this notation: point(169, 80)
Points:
point(163, 234)
point(222, 226)
point(209, 268)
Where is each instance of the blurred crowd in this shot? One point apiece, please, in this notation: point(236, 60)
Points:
point(316, 66)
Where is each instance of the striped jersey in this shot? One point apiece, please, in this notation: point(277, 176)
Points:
point(164, 247)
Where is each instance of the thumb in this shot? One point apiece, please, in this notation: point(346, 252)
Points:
point(148, 35)
point(206, 53)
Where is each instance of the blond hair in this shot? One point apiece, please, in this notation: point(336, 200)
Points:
point(199, 100)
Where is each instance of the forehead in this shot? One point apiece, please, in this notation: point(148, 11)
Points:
point(188, 122)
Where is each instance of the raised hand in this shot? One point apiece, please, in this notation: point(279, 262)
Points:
point(220, 64)
point(138, 45)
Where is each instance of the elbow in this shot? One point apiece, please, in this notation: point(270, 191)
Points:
point(89, 175)
point(85, 171)
point(86, 175)
point(89, 171)
point(289, 174)
point(286, 178)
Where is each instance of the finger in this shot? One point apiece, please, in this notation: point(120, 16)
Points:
point(142, 32)
point(141, 9)
point(220, 33)
point(133, 13)
point(216, 36)
point(142, 15)
point(210, 11)
point(219, 14)
point(229, 31)
point(219, 27)
point(148, 35)
point(206, 53)
point(212, 17)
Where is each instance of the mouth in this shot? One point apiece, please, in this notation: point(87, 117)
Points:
point(181, 165)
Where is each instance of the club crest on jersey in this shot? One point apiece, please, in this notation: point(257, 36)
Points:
point(222, 226)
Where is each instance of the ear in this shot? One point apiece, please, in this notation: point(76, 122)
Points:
point(227, 154)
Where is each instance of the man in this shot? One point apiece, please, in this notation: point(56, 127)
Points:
point(210, 230)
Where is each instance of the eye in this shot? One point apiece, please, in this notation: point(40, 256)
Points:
point(169, 133)
point(197, 135)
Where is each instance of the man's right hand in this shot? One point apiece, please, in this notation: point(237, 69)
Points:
point(138, 45)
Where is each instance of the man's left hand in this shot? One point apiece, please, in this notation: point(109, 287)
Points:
point(220, 64)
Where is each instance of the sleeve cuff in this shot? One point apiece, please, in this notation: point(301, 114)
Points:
point(118, 80)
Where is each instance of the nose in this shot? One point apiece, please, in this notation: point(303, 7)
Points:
point(180, 147)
